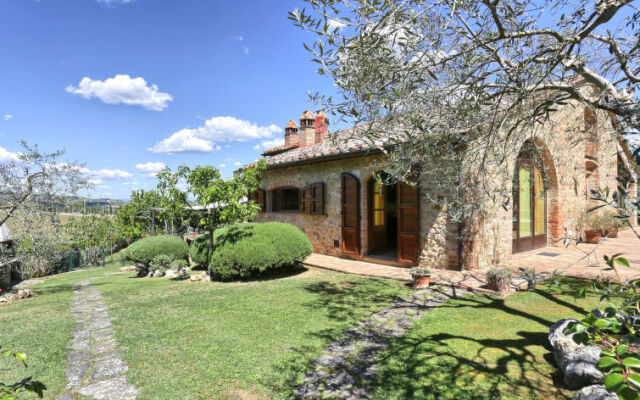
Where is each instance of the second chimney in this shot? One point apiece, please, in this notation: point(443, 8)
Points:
point(291, 136)
point(307, 128)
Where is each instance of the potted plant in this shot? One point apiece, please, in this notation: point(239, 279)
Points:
point(421, 277)
point(611, 224)
point(595, 226)
point(499, 279)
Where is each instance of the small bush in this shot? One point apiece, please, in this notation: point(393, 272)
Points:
point(163, 262)
point(199, 250)
point(144, 250)
point(243, 250)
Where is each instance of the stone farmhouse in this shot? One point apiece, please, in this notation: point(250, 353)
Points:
point(324, 184)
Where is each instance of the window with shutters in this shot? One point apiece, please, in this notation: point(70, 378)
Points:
point(313, 199)
point(285, 199)
point(260, 198)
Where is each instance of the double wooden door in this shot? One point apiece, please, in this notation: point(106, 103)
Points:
point(408, 226)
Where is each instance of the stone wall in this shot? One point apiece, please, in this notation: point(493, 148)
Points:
point(567, 142)
point(561, 142)
point(325, 231)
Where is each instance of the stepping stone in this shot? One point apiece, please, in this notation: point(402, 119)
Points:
point(81, 344)
point(75, 374)
point(108, 354)
point(338, 382)
point(106, 345)
point(81, 334)
point(99, 324)
point(110, 389)
point(109, 367)
point(103, 334)
point(75, 357)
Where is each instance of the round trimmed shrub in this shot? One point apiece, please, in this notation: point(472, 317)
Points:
point(199, 250)
point(144, 250)
point(243, 250)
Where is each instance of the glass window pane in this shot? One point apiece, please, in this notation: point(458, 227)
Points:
point(524, 205)
point(378, 218)
point(378, 201)
point(539, 200)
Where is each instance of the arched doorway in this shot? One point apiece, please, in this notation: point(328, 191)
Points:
point(529, 200)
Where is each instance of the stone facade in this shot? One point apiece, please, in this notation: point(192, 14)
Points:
point(579, 150)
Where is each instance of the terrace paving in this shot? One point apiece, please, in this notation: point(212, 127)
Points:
point(577, 261)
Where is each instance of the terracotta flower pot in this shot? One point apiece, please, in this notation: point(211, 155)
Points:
point(611, 233)
point(421, 281)
point(592, 236)
point(499, 283)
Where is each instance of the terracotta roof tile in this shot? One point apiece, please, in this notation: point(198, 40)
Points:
point(344, 142)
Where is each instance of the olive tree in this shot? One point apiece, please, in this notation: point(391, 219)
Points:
point(456, 84)
point(33, 184)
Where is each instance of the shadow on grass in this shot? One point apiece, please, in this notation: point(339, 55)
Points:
point(345, 303)
point(278, 273)
point(428, 367)
point(59, 288)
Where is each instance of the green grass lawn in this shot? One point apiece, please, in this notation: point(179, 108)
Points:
point(252, 340)
point(41, 326)
point(185, 340)
point(482, 348)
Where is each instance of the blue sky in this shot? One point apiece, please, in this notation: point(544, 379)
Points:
point(127, 86)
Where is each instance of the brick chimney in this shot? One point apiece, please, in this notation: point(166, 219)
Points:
point(321, 125)
point(307, 128)
point(291, 136)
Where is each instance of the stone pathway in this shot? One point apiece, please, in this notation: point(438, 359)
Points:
point(95, 369)
point(349, 365)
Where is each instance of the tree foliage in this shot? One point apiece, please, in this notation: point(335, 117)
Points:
point(32, 186)
point(428, 80)
point(138, 217)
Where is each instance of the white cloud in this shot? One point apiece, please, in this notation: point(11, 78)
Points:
point(204, 139)
point(7, 117)
point(7, 156)
point(238, 38)
point(96, 176)
point(151, 168)
point(245, 49)
point(267, 144)
point(334, 24)
point(223, 165)
point(237, 163)
point(122, 89)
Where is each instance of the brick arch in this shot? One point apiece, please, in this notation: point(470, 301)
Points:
point(555, 217)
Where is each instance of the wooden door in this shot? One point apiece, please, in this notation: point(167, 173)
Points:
point(350, 215)
point(408, 226)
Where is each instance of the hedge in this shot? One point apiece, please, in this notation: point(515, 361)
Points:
point(144, 250)
point(199, 250)
point(243, 250)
